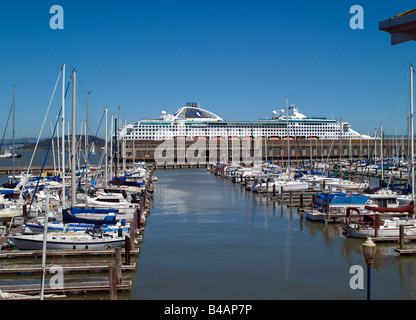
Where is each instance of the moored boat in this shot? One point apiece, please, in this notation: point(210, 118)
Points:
point(93, 239)
point(335, 205)
point(386, 223)
point(387, 227)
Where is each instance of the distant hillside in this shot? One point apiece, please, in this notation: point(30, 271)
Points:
point(9, 142)
point(44, 144)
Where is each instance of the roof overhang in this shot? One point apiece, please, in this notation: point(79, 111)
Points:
point(402, 27)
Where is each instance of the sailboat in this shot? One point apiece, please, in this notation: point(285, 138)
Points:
point(69, 240)
point(106, 225)
point(94, 238)
point(390, 226)
point(8, 212)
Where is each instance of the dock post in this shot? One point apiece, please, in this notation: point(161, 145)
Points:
point(377, 226)
point(118, 264)
point(347, 217)
point(113, 282)
point(25, 212)
point(291, 197)
point(401, 236)
point(127, 246)
point(274, 190)
point(117, 254)
point(301, 200)
point(136, 219)
point(327, 212)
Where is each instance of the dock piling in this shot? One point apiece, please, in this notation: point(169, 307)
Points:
point(401, 237)
point(128, 247)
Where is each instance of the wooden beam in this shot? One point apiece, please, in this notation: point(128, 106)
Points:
point(402, 28)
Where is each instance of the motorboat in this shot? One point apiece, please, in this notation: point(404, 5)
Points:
point(335, 206)
point(387, 227)
point(109, 201)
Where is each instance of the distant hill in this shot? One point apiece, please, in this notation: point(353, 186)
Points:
point(30, 144)
point(9, 142)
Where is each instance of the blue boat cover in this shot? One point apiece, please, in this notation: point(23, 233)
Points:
point(91, 210)
point(341, 198)
point(68, 217)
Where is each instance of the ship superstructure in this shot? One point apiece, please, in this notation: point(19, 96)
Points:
point(193, 122)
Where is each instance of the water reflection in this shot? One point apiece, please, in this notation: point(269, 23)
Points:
point(209, 238)
point(245, 240)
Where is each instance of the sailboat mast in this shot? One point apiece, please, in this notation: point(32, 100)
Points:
point(381, 152)
point(340, 145)
point(106, 148)
point(288, 143)
point(73, 139)
point(86, 142)
point(63, 136)
point(111, 150)
point(412, 132)
point(14, 110)
point(86, 124)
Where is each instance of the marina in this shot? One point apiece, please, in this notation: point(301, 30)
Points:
point(99, 213)
point(202, 204)
point(210, 238)
point(106, 220)
point(206, 153)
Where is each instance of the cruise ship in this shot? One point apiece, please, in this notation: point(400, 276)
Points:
point(193, 122)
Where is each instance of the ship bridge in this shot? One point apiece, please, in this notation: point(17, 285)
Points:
point(191, 112)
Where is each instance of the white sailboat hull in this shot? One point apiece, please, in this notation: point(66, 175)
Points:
point(8, 214)
point(291, 186)
point(66, 242)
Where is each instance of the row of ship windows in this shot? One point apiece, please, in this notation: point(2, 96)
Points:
point(146, 128)
point(161, 136)
point(232, 132)
point(236, 129)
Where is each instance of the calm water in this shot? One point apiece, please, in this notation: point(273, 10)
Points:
point(207, 238)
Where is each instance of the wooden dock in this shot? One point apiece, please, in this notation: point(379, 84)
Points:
point(107, 261)
point(70, 288)
point(66, 268)
point(405, 252)
point(114, 269)
point(63, 253)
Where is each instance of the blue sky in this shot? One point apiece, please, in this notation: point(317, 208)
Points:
point(239, 59)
